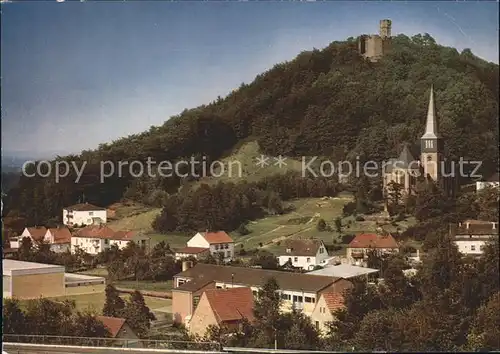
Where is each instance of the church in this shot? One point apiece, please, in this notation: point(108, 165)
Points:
point(405, 169)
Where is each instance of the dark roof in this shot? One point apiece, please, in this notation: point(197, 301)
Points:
point(301, 247)
point(84, 207)
point(206, 273)
point(479, 229)
point(405, 160)
point(194, 285)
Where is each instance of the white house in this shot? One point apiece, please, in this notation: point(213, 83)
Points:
point(305, 254)
point(84, 214)
point(493, 181)
point(95, 239)
point(471, 236)
point(34, 233)
point(216, 242)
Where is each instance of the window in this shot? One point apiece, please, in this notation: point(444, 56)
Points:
point(308, 260)
point(285, 296)
point(429, 158)
point(219, 287)
point(180, 282)
point(317, 325)
point(473, 248)
point(91, 213)
point(106, 242)
point(429, 144)
point(297, 298)
point(196, 299)
point(321, 250)
point(295, 259)
point(309, 299)
point(226, 246)
point(481, 247)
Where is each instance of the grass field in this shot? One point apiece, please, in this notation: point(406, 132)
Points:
point(95, 302)
point(131, 284)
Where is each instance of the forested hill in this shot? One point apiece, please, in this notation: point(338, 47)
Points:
point(328, 102)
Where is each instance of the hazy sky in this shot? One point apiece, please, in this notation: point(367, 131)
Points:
point(78, 74)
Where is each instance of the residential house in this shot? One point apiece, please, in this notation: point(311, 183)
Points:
point(120, 330)
point(471, 236)
point(305, 254)
point(357, 251)
point(195, 252)
point(84, 214)
point(299, 291)
point(218, 243)
point(95, 239)
point(493, 181)
point(222, 307)
point(36, 234)
point(59, 239)
point(323, 313)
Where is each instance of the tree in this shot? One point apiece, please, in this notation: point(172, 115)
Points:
point(338, 225)
point(113, 305)
point(87, 325)
point(485, 331)
point(14, 321)
point(265, 259)
point(138, 315)
point(321, 225)
point(394, 197)
point(396, 292)
point(298, 332)
point(267, 310)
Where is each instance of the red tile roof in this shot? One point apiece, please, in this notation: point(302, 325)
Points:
point(231, 304)
point(334, 301)
point(113, 324)
point(217, 237)
point(37, 233)
point(84, 207)
point(102, 231)
point(373, 241)
point(191, 250)
point(61, 235)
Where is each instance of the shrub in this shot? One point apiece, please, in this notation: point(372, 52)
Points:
point(360, 218)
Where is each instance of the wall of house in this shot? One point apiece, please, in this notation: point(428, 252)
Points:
point(198, 241)
point(307, 263)
point(182, 302)
point(321, 315)
point(83, 217)
point(88, 244)
point(350, 250)
point(470, 246)
point(203, 317)
point(483, 185)
point(226, 248)
point(35, 285)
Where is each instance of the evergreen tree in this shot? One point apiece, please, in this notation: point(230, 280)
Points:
point(113, 305)
point(138, 315)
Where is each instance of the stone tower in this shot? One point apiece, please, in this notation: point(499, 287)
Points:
point(431, 145)
point(376, 46)
point(385, 28)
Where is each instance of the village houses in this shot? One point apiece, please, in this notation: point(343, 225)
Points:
point(59, 238)
point(471, 236)
point(84, 214)
point(218, 244)
point(305, 254)
point(298, 291)
point(357, 251)
point(97, 238)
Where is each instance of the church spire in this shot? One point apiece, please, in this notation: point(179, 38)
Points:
point(431, 125)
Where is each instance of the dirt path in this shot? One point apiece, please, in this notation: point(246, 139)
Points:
point(282, 238)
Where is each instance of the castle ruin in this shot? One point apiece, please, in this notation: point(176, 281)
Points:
point(376, 46)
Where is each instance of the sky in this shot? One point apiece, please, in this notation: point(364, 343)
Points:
point(77, 74)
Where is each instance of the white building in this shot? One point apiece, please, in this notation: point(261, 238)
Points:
point(95, 239)
point(471, 236)
point(36, 234)
point(216, 242)
point(305, 254)
point(59, 239)
point(493, 181)
point(84, 214)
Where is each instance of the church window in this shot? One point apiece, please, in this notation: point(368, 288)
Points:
point(429, 144)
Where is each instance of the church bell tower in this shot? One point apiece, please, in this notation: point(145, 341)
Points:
point(431, 145)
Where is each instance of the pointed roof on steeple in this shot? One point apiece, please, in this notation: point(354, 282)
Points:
point(406, 159)
point(431, 131)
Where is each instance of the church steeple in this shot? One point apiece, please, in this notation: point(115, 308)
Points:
point(431, 131)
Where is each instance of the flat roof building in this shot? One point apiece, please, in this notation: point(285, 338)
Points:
point(345, 271)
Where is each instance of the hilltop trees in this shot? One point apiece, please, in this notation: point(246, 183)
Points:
point(325, 102)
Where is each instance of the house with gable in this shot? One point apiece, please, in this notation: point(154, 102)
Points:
point(84, 214)
point(97, 238)
point(120, 330)
point(357, 250)
point(324, 312)
point(222, 307)
point(305, 254)
point(217, 243)
point(59, 239)
point(36, 234)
